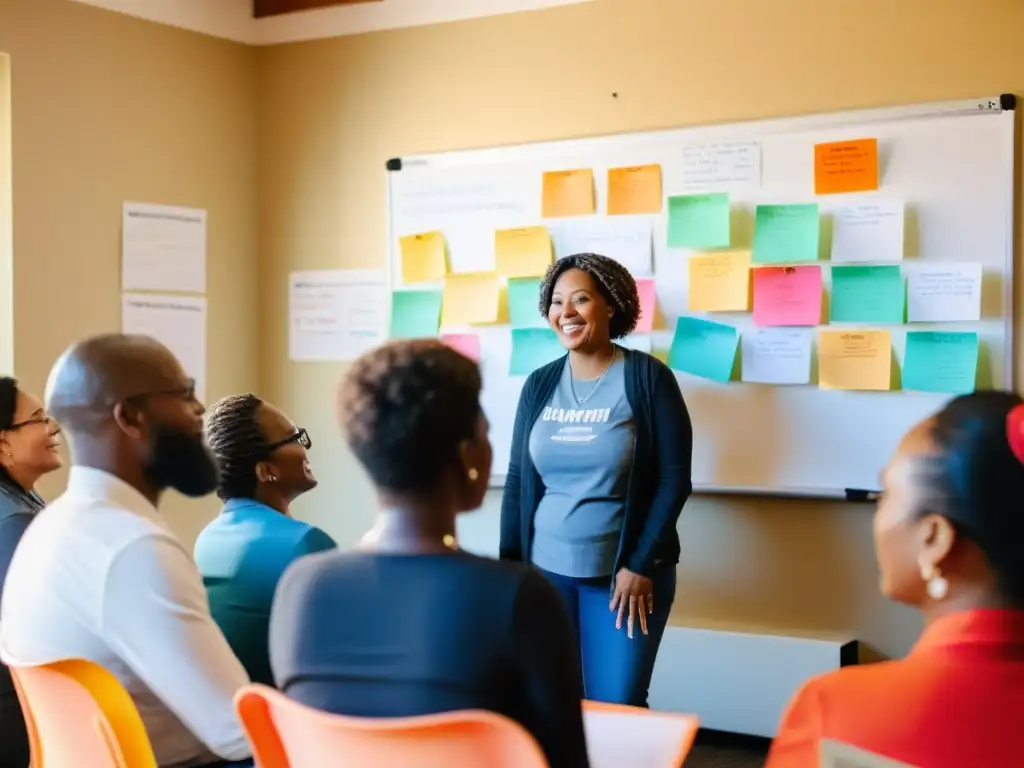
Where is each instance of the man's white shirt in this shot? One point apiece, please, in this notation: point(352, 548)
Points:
point(100, 576)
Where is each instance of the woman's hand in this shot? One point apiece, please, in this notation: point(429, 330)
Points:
point(636, 593)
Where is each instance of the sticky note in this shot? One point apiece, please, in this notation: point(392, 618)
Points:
point(698, 221)
point(869, 231)
point(786, 234)
point(423, 258)
point(636, 189)
point(567, 193)
point(704, 348)
point(532, 348)
point(941, 361)
point(944, 293)
point(776, 356)
point(524, 303)
point(648, 296)
point(854, 360)
point(522, 252)
point(471, 299)
point(787, 295)
point(867, 295)
point(467, 344)
point(720, 282)
point(415, 314)
point(846, 166)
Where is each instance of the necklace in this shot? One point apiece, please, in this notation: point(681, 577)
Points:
point(593, 389)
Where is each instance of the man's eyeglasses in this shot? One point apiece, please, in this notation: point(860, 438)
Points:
point(300, 437)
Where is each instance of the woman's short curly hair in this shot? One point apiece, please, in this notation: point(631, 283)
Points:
point(238, 444)
point(613, 281)
point(405, 408)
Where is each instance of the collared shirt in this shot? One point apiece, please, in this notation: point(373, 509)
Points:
point(955, 701)
point(100, 576)
point(241, 555)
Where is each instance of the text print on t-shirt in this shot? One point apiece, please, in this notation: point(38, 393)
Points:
point(573, 434)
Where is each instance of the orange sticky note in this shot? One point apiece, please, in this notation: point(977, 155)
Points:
point(854, 360)
point(522, 252)
point(467, 344)
point(647, 294)
point(720, 282)
point(787, 296)
point(846, 166)
point(423, 258)
point(470, 298)
point(636, 189)
point(568, 193)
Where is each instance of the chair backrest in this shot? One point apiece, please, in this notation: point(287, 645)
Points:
point(284, 733)
point(78, 714)
point(621, 735)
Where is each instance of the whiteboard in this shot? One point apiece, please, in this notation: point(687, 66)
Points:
point(952, 165)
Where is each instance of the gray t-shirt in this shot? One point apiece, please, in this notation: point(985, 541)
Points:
point(583, 453)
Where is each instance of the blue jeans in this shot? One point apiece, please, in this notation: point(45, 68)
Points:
point(616, 669)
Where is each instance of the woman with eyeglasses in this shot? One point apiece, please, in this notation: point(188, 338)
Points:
point(29, 449)
point(264, 466)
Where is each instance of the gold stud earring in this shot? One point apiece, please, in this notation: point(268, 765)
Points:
point(472, 474)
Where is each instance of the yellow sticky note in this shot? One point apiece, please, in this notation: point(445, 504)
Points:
point(720, 282)
point(854, 360)
point(471, 298)
point(522, 252)
point(423, 258)
point(636, 189)
point(567, 193)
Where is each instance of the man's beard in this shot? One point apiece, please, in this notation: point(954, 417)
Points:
point(181, 460)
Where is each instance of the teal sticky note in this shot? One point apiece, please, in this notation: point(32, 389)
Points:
point(867, 295)
point(698, 221)
point(941, 361)
point(704, 348)
point(785, 234)
point(523, 302)
point(415, 314)
point(532, 348)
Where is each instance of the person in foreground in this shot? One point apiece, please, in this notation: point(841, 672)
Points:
point(99, 575)
point(408, 624)
point(948, 536)
point(598, 474)
point(29, 445)
point(243, 552)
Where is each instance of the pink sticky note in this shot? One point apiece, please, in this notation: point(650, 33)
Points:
point(466, 343)
point(645, 289)
point(787, 295)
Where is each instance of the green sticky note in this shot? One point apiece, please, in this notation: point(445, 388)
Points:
point(415, 314)
point(523, 300)
point(532, 348)
point(698, 221)
point(785, 234)
point(867, 295)
point(704, 348)
point(941, 361)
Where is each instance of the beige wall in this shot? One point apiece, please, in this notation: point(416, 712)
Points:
point(331, 112)
point(108, 108)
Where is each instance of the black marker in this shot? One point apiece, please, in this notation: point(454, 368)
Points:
point(863, 497)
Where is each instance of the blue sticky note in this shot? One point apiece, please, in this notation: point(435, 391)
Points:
point(704, 348)
point(785, 234)
point(941, 361)
point(415, 314)
point(532, 348)
point(523, 301)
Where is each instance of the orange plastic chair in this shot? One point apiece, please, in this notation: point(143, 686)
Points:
point(622, 735)
point(78, 715)
point(286, 734)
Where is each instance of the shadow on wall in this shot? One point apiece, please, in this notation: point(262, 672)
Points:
point(6, 222)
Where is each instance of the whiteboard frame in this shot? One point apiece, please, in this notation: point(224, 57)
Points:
point(964, 107)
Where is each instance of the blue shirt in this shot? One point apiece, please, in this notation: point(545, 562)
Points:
point(241, 556)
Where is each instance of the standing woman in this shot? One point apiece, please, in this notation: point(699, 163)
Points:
point(29, 443)
point(599, 472)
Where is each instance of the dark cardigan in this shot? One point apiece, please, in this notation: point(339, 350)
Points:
point(659, 480)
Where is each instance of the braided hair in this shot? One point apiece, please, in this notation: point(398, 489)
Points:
point(234, 435)
point(613, 282)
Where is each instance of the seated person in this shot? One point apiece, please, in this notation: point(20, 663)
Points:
point(99, 575)
point(408, 624)
point(948, 536)
point(243, 552)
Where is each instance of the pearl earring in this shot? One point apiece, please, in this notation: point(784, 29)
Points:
point(936, 585)
point(272, 478)
point(472, 474)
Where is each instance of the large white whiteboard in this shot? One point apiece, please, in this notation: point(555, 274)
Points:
point(952, 164)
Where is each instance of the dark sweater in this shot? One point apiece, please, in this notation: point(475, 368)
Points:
point(659, 482)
